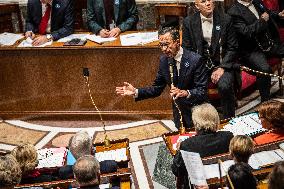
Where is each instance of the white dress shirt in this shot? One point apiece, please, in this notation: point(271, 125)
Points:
point(178, 59)
point(250, 6)
point(207, 26)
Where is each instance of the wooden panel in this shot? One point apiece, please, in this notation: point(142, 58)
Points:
point(49, 80)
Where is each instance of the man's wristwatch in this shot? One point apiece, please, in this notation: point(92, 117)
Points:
point(49, 37)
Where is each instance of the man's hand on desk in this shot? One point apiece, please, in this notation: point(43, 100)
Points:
point(40, 40)
point(126, 90)
point(30, 34)
point(104, 33)
point(176, 92)
point(114, 32)
point(217, 74)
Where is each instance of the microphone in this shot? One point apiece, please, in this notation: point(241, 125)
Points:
point(171, 69)
point(86, 72)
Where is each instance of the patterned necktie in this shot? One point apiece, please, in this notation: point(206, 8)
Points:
point(44, 20)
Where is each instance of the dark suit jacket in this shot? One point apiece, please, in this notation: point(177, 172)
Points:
point(62, 19)
point(125, 14)
point(222, 35)
point(193, 77)
point(249, 29)
point(206, 144)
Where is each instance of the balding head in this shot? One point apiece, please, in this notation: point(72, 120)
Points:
point(205, 7)
point(87, 171)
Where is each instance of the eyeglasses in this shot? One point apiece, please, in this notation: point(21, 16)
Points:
point(163, 45)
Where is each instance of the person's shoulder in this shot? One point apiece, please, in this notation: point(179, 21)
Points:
point(191, 56)
point(227, 134)
point(234, 9)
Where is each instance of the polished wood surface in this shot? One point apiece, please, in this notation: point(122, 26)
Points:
point(49, 80)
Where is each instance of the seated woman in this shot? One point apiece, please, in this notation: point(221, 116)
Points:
point(27, 158)
point(241, 148)
point(271, 114)
point(241, 176)
point(207, 142)
point(276, 176)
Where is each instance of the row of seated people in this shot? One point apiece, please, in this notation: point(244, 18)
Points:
point(219, 38)
point(209, 142)
point(81, 148)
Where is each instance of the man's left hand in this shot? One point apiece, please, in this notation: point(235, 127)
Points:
point(114, 32)
point(177, 93)
point(281, 14)
point(216, 75)
point(40, 40)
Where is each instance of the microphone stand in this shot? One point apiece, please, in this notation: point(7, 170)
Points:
point(182, 128)
point(86, 76)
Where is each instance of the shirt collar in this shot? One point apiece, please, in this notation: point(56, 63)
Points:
point(245, 3)
point(48, 3)
point(203, 18)
point(179, 55)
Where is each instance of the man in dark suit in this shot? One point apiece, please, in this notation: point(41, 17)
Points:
point(189, 86)
point(206, 142)
point(258, 38)
point(110, 18)
point(49, 16)
point(209, 33)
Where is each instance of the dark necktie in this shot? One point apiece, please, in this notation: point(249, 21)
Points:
point(175, 73)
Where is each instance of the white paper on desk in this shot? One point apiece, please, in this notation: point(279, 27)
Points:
point(148, 37)
point(194, 167)
point(130, 39)
point(265, 158)
point(74, 36)
point(99, 39)
point(8, 39)
point(28, 43)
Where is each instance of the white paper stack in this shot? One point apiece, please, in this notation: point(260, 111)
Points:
point(98, 39)
point(51, 157)
point(138, 38)
point(28, 43)
point(8, 39)
point(117, 155)
point(249, 125)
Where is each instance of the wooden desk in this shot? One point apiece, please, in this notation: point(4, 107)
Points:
point(49, 81)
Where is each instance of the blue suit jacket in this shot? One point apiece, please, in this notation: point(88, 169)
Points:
point(62, 18)
point(193, 77)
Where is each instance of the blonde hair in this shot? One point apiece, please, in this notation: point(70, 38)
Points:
point(26, 156)
point(10, 171)
point(205, 117)
point(241, 148)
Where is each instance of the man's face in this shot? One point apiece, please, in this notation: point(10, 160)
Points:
point(205, 7)
point(168, 46)
point(45, 1)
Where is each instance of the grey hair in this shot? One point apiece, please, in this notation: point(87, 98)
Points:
point(80, 144)
point(87, 171)
point(174, 32)
point(205, 117)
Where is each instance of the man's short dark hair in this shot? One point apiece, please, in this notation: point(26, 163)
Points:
point(241, 176)
point(174, 32)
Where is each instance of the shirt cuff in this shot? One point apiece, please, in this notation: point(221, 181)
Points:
point(136, 94)
point(189, 94)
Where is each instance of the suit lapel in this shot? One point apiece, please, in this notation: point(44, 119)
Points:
point(248, 15)
point(197, 31)
point(101, 5)
point(216, 31)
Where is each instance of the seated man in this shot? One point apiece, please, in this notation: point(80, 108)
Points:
point(10, 172)
point(209, 32)
point(241, 176)
point(187, 78)
point(110, 18)
point(207, 141)
point(80, 145)
point(87, 172)
point(241, 148)
point(49, 16)
point(258, 38)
